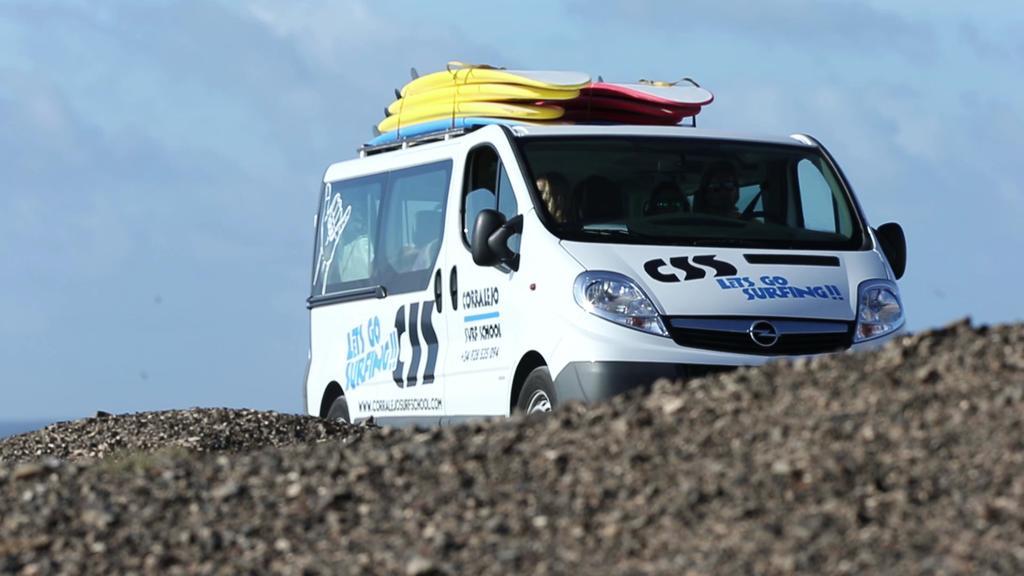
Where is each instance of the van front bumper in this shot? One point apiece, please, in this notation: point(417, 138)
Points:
point(598, 359)
point(595, 381)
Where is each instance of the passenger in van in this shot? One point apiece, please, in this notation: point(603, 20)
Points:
point(554, 193)
point(598, 200)
point(666, 198)
point(719, 190)
point(427, 238)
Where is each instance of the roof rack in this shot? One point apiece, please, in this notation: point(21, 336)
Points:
point(447, 134)
point(403, 143)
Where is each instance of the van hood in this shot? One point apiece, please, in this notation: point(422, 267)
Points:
point(708, 281)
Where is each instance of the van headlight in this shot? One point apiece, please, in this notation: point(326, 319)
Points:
point(879, 310)
point(615, 297)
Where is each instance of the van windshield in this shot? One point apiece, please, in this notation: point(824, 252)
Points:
point(648, 190)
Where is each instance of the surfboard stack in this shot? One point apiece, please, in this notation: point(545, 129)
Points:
point(471, 95)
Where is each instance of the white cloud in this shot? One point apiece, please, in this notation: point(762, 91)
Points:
point(837, 26)
point(331, 33)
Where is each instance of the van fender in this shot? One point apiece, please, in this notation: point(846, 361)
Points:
point(530, 361)
point(331, 393)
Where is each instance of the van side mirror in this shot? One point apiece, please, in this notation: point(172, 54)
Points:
point(894, 246)
point(491, 233)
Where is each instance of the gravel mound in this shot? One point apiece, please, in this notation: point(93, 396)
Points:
point(198, 430)
point(907, 460)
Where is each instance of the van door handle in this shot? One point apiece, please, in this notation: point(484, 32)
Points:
point(437, 290)
point(453, 287)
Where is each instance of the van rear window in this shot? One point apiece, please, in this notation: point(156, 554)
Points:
point(690, 191)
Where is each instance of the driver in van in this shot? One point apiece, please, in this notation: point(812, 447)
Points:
point(719, 190)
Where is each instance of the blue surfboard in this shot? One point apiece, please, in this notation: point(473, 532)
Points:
point(438, 126)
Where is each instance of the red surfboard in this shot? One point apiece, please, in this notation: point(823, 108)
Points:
point(632, 106)
point(635, 103)
point(667, 95)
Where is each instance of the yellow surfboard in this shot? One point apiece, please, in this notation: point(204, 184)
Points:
point(550, 79)
point(437, 110)
point(488, 92)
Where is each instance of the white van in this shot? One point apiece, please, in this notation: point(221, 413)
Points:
point(479, 272)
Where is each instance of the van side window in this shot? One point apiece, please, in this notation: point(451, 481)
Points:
point(412, 226)
point(381, 230)
point(346, 228)
point(818, 206)
point(506, 197)
point(507, 204)
point(487, 186)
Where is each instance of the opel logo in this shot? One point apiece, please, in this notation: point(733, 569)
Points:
point(763, 334)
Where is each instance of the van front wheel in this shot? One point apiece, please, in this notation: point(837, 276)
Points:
point(538, 393)
point(339, 410)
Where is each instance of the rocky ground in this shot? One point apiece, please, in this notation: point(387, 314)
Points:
point(906, 460)
point(197, 430)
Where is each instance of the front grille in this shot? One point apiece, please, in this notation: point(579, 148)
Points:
point(795, 337)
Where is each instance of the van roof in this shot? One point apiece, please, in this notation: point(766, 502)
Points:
point(381, 157)
point(531, 130)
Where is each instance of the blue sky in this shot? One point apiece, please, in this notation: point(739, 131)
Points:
point(159, 159)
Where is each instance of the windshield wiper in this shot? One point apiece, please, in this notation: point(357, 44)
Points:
point(743, 242)
point(604, 231)
point(619, 232)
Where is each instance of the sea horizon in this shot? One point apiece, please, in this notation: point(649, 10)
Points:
point(15, 427)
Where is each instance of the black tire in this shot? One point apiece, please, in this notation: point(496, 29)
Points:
point(538, 393)
point(339, 410)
